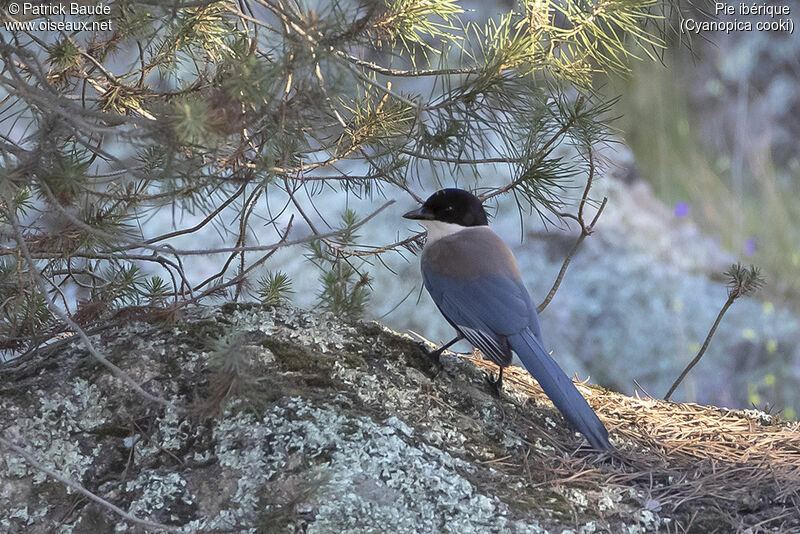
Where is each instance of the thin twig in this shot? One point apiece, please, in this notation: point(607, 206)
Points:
point(585, 232)
point(741, 281)
point(387, 90)
point(80, 489)
point(464, 161)
point(379, 250)
point(405, 73)
point(202, 223)
point(241, 276)
point(702, 351)
point(279, 244)
point(131, 243)
point(202, 252)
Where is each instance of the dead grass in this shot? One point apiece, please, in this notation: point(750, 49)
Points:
point(709, 468)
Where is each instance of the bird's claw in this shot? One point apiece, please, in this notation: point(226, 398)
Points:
point(436, 356)
point(435, 359)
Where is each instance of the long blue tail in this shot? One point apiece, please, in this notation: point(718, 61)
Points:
point(557, 385)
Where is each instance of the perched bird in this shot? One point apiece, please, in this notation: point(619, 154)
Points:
point(473, 278)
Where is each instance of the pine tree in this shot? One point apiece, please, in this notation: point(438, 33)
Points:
point(220, 108)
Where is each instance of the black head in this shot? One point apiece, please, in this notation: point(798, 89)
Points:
point(451, 206)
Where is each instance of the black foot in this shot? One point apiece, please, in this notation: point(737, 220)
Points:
point(436, 355)
point(496, 384)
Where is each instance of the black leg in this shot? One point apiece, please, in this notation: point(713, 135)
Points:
point(497, 385)
point(438, 352)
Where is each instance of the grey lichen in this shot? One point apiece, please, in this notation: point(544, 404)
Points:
point(369, 474)
point(157, 492)
point(375, 474)
point(49, 428)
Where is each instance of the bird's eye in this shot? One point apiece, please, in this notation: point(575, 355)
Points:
point(449, 209)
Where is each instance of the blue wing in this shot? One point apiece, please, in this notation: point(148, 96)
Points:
point(496, 315)
point(486, 311)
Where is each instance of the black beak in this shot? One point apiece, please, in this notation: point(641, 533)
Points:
point(419, 214)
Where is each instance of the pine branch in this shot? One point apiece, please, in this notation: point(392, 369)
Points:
point(40, 282)
point(225, 103)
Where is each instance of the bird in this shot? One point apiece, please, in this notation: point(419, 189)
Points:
point(473, 278)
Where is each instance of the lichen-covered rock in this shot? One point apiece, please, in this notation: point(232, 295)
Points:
point(321, 427)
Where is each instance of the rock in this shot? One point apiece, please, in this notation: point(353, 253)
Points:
point(289, 421)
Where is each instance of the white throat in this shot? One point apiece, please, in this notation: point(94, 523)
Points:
point(438, 229)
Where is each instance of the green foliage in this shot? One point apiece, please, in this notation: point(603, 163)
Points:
point(190, 116)
point(196, 33)
point(226, 354)
point(22, 201)
point(412, 23)
point(66, 176)
point(155, 291)
point(233, 372)
point(594, 29)
point(124, 285)
point(274, 288)
point(65, 57)
point(246, 79)
point(134, 20)
point(345, 289)
point(23, 313)
point(375, 123)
